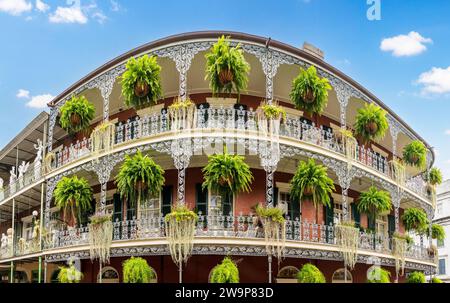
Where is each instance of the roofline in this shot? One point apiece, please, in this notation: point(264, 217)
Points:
point(26, 131)
point(238, 36)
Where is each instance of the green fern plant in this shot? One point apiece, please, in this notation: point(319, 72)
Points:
point(141, 82)
point(436, 280)
point(415, 219)
point(437, 232)
point(371, 123)
point(227, 173)
point(69, 274)
point(379, 275)
point(434, 176)
point(225, 272)
point(416, 277)
point(73, 196)
point(76, 114)
point(374, 202)
point(311, 180)
point(226, 67)
point(273, 213)
point(181, 213)
point(139, 177)
point(273, 111)
point(137, 270)
point(310, 92)
point(415, 154)
point(310, 274)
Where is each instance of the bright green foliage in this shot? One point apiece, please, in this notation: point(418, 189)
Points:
point(415, 154)
point(436, 280)
point(137, 270)
point(181, 213)
point(225, 272)
point(312, 177)
point(378, 275)
point(374, 202)
point(437, 232)
point(371, 113)
point(69, 275)
point(308, 80)
point(274, 213)
point(409, 240)
point(223, 57)
point(415, 219)
point(73, 196)
point(227, 173)
point(416, 277)
point(434, 176)
point(76, 106)
point(310, 274)
point(272, 111)
point(139, 177)
point(143, 70)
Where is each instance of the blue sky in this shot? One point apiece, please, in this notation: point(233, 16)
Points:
point(403, 58)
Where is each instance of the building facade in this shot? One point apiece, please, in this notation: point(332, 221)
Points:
point(442, 217)
point(43, 153)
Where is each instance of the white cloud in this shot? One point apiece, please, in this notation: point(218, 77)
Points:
point(23, 94)
point(42, 6)
point(115, 6)
point(405, 45)
point(69, 14)
point(100, 17)
point(40, 101)
point(435, 81)
point(15, 7)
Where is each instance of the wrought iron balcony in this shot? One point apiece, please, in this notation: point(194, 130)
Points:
point(241, 121)
point(233, 227)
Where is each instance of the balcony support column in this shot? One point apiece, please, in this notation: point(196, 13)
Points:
point(394, 129)
point(51, 127)
point(181, 151)
point(269, 188)
point(343, 93)
point(51, 185)
point(345, 176)
point(182, 55)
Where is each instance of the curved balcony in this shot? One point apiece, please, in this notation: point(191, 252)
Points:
point(241, 124)
point(231, 228)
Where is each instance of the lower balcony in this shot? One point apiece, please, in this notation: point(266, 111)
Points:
point(232, 233)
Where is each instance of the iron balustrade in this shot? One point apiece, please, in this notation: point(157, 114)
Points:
point(231, 119)
point(242, 226)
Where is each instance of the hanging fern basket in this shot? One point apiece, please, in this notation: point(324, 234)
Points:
point(347, 237)
point(180, 232)
point(274, 230)
point(372, 127)
point(226, 76)
point(75, 119)
point(141, 89)
point(309, 96)
point(100, 237)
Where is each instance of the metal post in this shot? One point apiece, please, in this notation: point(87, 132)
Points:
point(45, 271)
point(12, 272)
point(13, 221)
point(180, 272)
point(40, 270)
point(269, 260)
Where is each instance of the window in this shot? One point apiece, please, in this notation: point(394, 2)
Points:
point(109, 275)
point(290, 208)
point(442, 266)
point(150, 207)
point(342, 276)
point(287, 274)
point(381, 225)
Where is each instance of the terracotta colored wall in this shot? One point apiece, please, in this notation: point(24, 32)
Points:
point(251, 269)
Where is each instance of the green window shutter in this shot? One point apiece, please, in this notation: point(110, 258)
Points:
point(294, 207)
point(117, 202)
point(391, 224)
point(166, 205)
point(201, 199)
point(275, 196)
point(329, 213)
point(356, 215)
point(370, 222)
point(131, 210)
point(227, 204)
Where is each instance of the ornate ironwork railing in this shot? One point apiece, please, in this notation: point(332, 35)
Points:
point(226, 119)
point(32, 175)
point(232, 227)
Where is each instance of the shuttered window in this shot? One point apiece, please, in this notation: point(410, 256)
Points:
point(166, 204)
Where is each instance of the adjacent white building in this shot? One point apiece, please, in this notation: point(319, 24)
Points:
point(442, 217)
